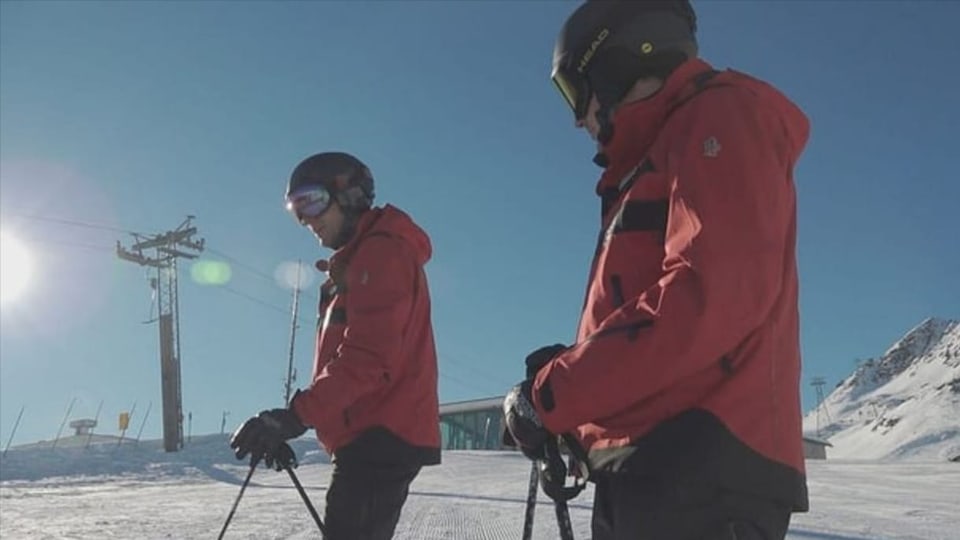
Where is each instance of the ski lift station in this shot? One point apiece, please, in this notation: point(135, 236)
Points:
point(82, 426)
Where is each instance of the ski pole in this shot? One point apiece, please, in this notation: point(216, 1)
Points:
point(253, 466)
point(554, 461)
point(563, 521)
point(306, 500)
point(12, 433)
point(531, 501)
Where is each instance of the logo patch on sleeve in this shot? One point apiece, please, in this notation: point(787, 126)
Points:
point(711, 147)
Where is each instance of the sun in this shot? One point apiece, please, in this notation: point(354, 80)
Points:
point(15, 267)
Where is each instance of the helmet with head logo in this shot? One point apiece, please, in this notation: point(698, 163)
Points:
point(606, 45)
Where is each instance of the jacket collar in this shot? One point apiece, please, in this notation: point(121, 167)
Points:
point(637, 124)
point(339, 258)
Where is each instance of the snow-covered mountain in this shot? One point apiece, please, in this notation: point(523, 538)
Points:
point(904, 404)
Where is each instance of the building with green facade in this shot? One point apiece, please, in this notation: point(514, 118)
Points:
point(472, 425)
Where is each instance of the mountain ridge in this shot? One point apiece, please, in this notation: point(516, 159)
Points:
point(902, 404)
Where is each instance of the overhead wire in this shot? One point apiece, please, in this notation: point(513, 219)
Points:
point(98, 226)
point(453, 359)
point(446, 357)
point(75, 244)
point(252, 270)
point(71, 222)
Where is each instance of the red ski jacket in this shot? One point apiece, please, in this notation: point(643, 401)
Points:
point(687, 359)
point(374, 390)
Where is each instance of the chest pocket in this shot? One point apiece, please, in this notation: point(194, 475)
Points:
point(640, 203)
point(329, 314)
point(640, 216)
point(632, 247)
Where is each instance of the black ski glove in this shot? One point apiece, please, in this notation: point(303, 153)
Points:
point(281, 458)
point(553, 474)
point(263, 434)
point(523, 423)
point(534, 362)
point(541, 357)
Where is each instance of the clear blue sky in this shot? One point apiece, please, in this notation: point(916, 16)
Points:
point(131, 115)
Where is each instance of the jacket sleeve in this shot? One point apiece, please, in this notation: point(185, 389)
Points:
point(379, 294)
point(730, 209)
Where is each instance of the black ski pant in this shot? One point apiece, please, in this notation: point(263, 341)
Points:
point(364, 500)
point(641, 508)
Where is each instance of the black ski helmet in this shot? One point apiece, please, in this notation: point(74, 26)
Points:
point(606, 45)
point(348, 180)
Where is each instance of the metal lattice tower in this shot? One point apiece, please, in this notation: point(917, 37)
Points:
point(818, 383)
point(167, 250)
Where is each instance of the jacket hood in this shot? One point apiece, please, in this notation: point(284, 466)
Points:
point(392, 221)
point(795, 123)
point(637, 124)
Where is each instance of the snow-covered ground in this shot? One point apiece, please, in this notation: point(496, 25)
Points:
point(140, 491)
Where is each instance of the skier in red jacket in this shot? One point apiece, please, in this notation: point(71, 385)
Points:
point(682, 385)
point(373, 400)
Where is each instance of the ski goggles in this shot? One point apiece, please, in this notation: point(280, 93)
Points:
point(575, 90)
point(308, 202)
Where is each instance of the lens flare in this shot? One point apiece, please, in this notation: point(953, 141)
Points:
point(15, 268)
point(286, 275)
point(210, 272)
